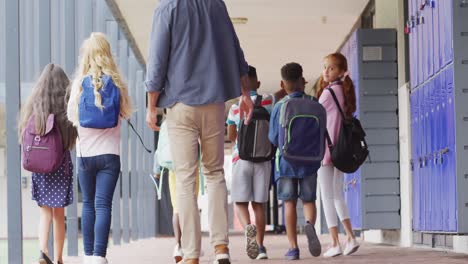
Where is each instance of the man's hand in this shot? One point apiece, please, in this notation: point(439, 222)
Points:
point(152, 118)
point(245, 108)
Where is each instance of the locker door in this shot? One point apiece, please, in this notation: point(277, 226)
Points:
point(412, 41)
point(448, 36)
point(419, 164)
point(414, 158)
point(451, 160)
point(443, 156)
point(437, 147)
point(430, 157)
point(420, 48)
point(430, 161)
point(436, 30)
point(429, 32)
point(435, 144)
point(423, 174)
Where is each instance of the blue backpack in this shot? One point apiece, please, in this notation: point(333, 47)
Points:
point(303, 123)
point(89, 114)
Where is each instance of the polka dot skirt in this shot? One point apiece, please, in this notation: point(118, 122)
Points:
point(54, 189)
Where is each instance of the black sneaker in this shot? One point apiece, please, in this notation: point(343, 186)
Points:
point(314, 243)
point(44, 259)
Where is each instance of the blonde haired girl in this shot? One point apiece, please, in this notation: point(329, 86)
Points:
point(98, 149)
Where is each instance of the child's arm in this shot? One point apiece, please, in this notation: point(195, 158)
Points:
point(232, 127)
point(274, 125)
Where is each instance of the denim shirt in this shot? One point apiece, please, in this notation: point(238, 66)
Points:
point(282, 167)
point(194, 57)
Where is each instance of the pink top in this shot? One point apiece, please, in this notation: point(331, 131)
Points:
point(94, 142)
point(333, 116)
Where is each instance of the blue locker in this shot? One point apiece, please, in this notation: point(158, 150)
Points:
point(425, 44)
point(436, 30)
point(411, 38)
point(443, 156)
point(442, 28)
point(414, 45)
point(451, 160)
point(415, 165)
point(419, 49)
point(435, 153)
point(429, 32)
point(424, 212)
point(430, 158)
point(437, 149)
point(447, 19)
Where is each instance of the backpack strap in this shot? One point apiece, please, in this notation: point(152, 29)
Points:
point(141, 140)
point(258, 100)
point(336, 102)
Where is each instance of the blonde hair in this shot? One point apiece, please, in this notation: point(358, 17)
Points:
point(96, 60)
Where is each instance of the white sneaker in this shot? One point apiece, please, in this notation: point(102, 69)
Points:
point(351, 247)
point(222, 259)
point(333, 252)
point(99, 260)
point(251, 246)
point(178, 255)
point(87, 259)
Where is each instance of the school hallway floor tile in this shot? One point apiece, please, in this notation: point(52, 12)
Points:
point(159, 251)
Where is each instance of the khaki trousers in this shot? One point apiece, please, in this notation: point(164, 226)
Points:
point(187, 127)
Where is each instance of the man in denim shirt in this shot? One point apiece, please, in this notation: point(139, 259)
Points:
point(195, 64)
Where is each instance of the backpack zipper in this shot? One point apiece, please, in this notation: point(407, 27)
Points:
point(29, 148)
point(255, 140)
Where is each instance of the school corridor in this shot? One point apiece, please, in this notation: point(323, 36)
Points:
point(157, 250)
point(408, 60)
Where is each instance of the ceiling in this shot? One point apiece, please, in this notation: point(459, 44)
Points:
point(277, 31)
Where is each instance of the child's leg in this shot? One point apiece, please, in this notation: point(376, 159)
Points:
point(308, 186)
point(243, 214)
point(261, 192)
point(45, 220)
point(176, 227)
point(259, 211)
point(326, 179)
point(310, 212)
point(288, 193)
point(59, 232)
point(340, 204)
point(308, 189)
point(291, 222)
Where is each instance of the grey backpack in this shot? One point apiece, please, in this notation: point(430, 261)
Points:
point(252, 139)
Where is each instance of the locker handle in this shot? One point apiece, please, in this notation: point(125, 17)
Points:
point(442, 152)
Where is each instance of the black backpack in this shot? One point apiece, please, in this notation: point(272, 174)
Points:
point(350, 150)
point(252, 139)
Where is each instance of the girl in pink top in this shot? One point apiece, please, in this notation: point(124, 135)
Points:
point(335, 76)
point(98, 149)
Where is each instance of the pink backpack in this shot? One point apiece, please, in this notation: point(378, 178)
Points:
point(42, 153)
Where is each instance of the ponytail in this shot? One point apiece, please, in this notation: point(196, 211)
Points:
point(349, 96)
point(321, 84)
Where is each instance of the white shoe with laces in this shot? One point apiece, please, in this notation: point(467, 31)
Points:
point(351, 247)
point(333, 252)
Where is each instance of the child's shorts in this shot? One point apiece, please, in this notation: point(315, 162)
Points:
point(250, 181)
point(294, 188)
